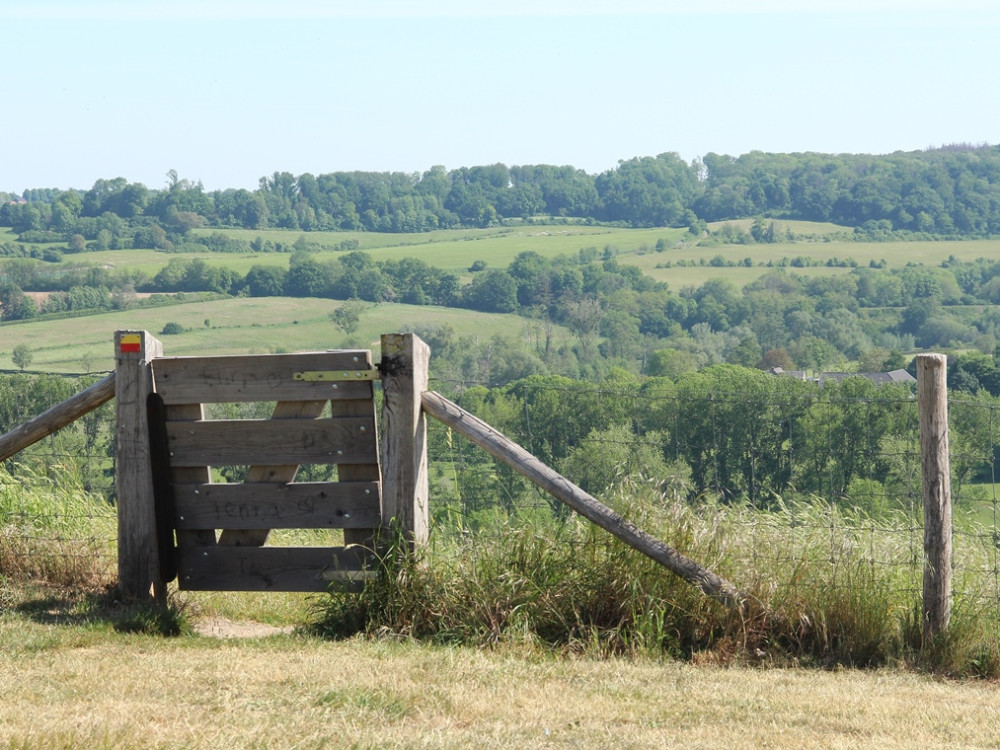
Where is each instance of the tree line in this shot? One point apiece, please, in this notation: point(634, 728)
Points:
point(949, 191)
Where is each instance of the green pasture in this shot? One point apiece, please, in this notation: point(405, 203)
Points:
point(231, 326)
point(895, 255)
point(457, 249)
point(802, 228)
point(679, 277)
point(451, 250)
point(689, 262)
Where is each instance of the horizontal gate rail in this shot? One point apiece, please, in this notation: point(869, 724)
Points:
point(266, 505)
point(272, 377)
point(335, 440)
point(304, 569)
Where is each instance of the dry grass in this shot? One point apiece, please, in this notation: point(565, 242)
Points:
point(69, 686)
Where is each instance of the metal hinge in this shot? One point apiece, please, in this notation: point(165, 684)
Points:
point(335, 376)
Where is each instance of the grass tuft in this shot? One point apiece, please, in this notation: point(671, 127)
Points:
point(167, 620)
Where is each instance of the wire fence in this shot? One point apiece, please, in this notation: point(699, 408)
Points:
point(830, 477)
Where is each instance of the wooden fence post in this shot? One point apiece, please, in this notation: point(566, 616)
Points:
point(936, 472)
point(138, 559)
point(404, 364)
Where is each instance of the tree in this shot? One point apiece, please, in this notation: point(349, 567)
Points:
point(22, 356)
point(775, 358)
point(583, 317)
point(492, 291)
point(347, 317)
point(265, 281)
point(606, 457)
point(746, 353)
point(873, 360)
point(15, 304)
point(671, 363)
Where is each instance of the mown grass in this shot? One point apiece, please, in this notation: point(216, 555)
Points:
point(105, 690)
point(531, 633)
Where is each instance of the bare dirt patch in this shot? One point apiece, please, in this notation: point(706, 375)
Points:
point(221, 627)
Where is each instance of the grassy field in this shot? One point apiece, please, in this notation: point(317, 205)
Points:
point(280, 324)
point(232, 326)
point(895, 255)
point(72, 677)
point(69, 683)
point(456, 250)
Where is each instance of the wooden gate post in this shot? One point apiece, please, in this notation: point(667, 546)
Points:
point(932, 393)
point(138, 561)
point(404, 364)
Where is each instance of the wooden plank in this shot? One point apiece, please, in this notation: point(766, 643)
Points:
point(404, 436)
point(361, 407)
point(181, 475)
point(333, 440)
point(226, 568)
point(57, 417)
point(506, 450)
point(163, 488)
point(138, 562)
point(282, 473)
point(268, 505)
point(269, 377)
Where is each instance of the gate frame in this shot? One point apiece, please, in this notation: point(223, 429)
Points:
point(402, 448)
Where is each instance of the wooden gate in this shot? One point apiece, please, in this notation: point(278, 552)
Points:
point(212, 535)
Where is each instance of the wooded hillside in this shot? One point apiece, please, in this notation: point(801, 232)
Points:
point(951, 191)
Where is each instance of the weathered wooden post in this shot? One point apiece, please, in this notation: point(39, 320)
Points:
point(138, 561)
point(404, 365)
point(932, 392)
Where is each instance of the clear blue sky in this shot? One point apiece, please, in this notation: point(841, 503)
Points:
point(226, 92)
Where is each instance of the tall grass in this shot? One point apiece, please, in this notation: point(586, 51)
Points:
point(826, 587)
point(54, 531)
